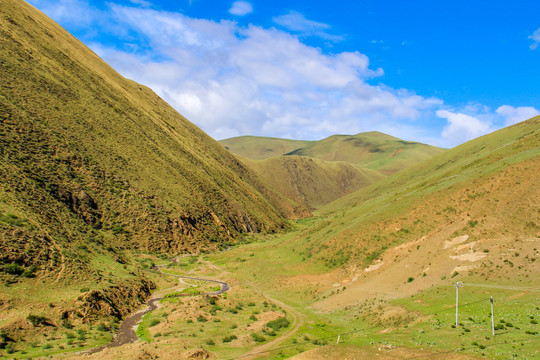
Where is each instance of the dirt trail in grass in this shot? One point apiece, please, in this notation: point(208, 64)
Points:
point(269, 346)
point(127, 331)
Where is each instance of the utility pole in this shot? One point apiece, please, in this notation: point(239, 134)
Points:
point(457, 285)
point(339, 337)
point(492, 321)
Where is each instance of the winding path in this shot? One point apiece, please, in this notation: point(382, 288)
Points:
point(127, 331)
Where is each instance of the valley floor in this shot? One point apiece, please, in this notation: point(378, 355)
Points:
point(281, 306)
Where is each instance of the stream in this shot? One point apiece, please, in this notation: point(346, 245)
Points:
point(127, 331)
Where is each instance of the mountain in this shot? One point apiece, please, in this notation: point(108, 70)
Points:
point(94, 166)
point(312, 181)
point(372, 150)
point(467, 211)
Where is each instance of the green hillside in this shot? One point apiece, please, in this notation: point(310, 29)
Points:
point(372, 150)
point(488, 181)
point(260, 147)
point(94, 167)
point(311, 181)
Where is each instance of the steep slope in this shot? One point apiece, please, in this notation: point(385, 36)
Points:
point(311, 181)
point(92, 165)
point(260, 147)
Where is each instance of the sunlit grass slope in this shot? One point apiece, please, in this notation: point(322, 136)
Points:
point(312, 181)
point(373, 150)
point(92, 166)
point(260, 147)
point(109, 152)
point(468, 210)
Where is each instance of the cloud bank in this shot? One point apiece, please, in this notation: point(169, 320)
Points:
point(233, 80)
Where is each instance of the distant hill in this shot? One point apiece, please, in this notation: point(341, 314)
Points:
point(260, 147)
point(311, 181)
point(93, 165)
point(372, 150)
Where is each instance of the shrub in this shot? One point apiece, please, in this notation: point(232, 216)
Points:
point(154, 322)
point(210, 342)
point(36, 320)
point(258, 338)
point(202, 319)
point(410, 279)
point(278, 324)
point(229, 338)
point(13, 269)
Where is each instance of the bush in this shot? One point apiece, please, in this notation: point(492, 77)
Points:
point(10, 348)
point(258, 338)
point(202, 319)
point(13, 269)
point(410, 279)
point(229, 338)
point(4, 338)
point(154, 322)
point(36, 320)
point(210, 342)
point(278, 324)
point(30, 272)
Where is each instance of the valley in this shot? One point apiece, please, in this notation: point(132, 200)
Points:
point(126, 232)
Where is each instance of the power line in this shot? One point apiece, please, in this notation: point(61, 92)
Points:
point(366, 329)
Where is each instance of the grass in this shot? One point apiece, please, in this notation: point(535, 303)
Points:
point(371, 150)
point(313, 182)
point(436, 308)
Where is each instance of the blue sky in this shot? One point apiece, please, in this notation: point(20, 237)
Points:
point(439, 72)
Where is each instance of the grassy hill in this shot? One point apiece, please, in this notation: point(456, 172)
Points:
point(260, 147)
point(95, 166)
point(482, 194)
point(372, 150)
point(311, 181)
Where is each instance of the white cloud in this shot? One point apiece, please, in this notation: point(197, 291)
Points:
point(535, 37)
point(72, 12)
point(232, 80)
point(143, 3)
point(297, 23)
point(241, 8)
point(462, 127)
point(513, 115)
